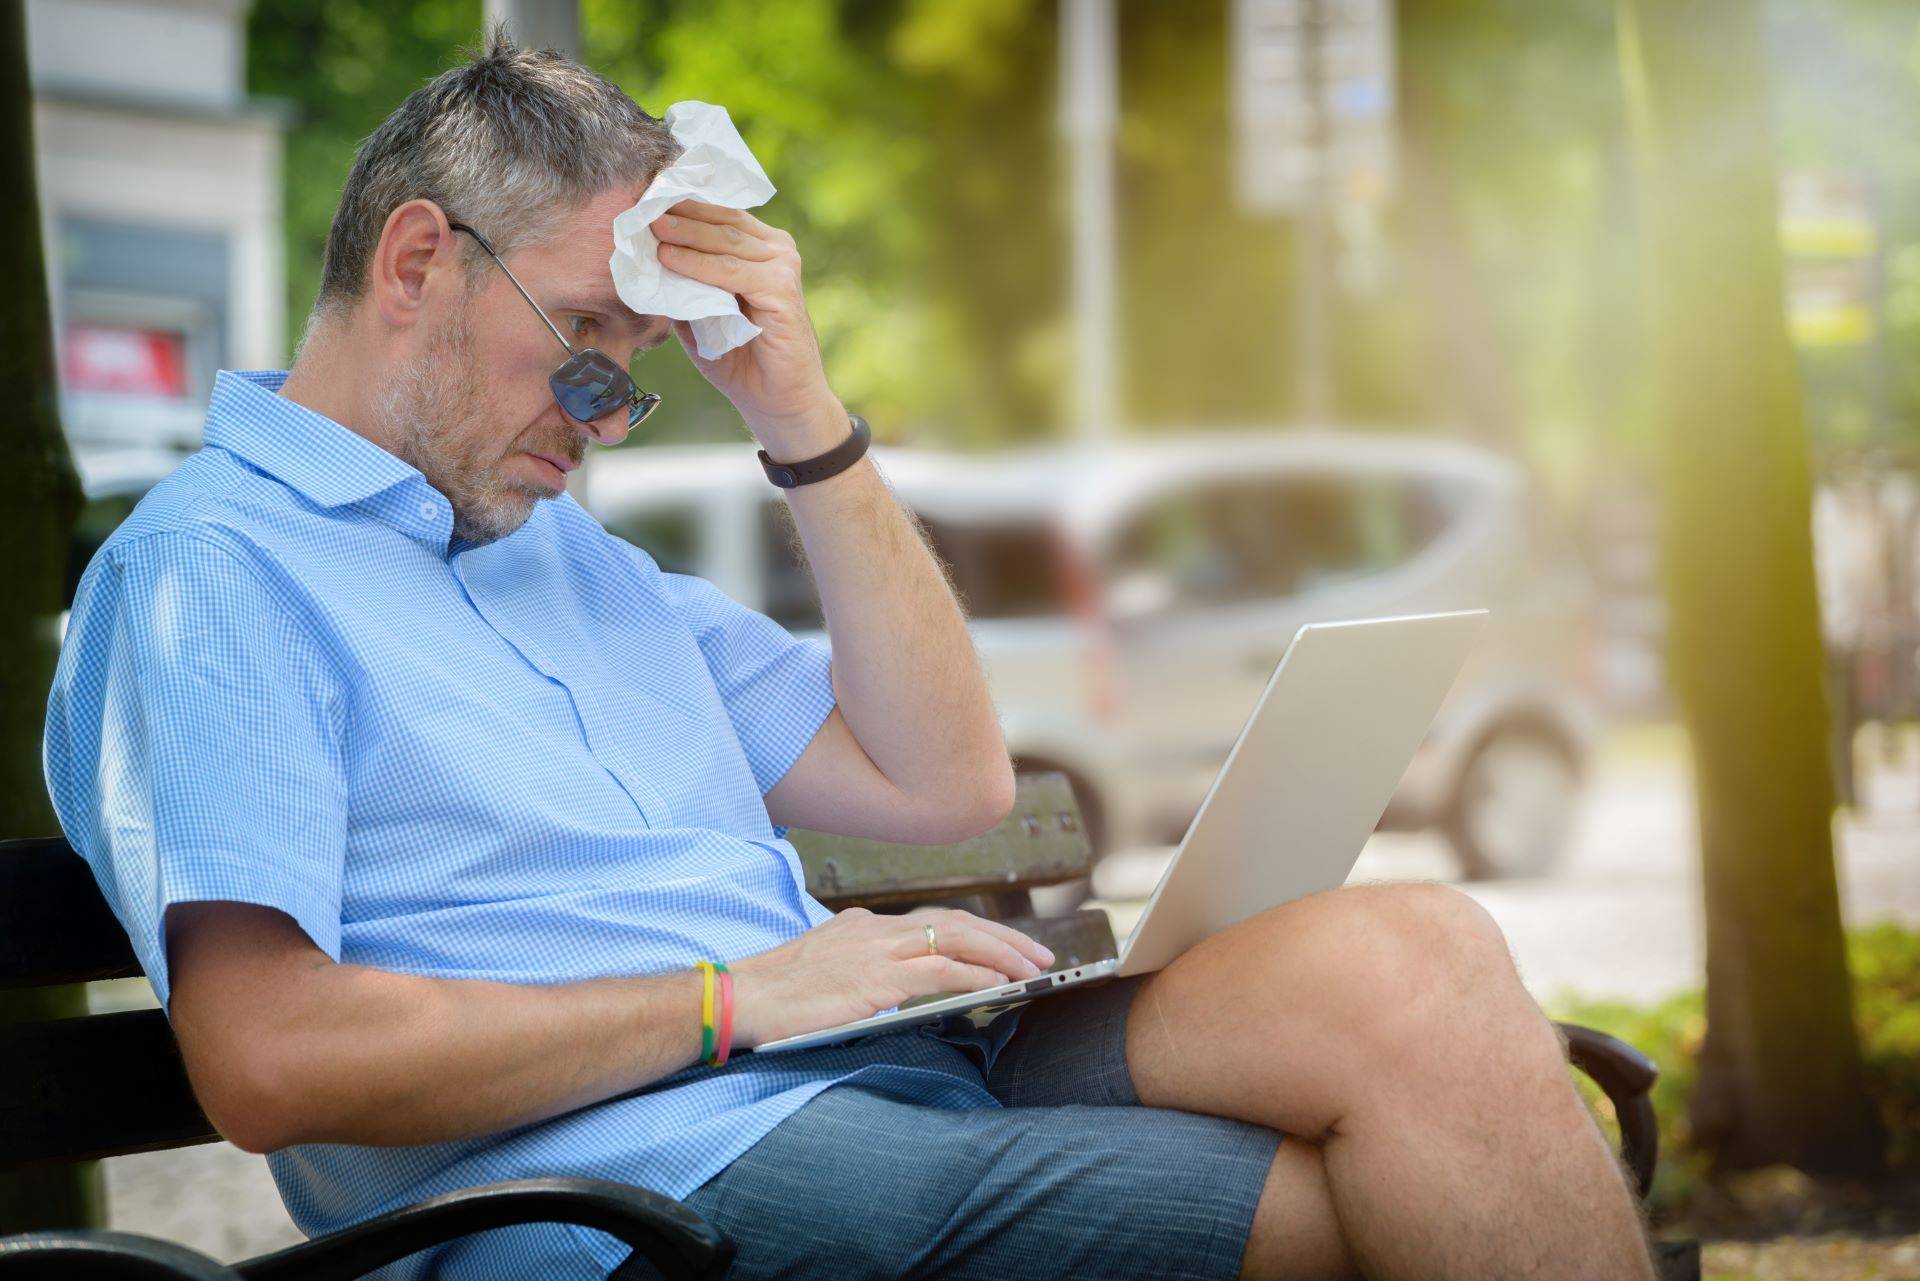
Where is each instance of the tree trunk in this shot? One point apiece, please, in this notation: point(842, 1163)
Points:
point(1780, 1074)
point(36, 531)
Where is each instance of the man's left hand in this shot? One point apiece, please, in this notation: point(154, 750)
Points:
point(777, 380)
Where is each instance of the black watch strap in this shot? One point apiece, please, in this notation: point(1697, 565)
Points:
point(820, 466)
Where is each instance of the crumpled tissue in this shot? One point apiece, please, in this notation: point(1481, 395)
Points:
point(715, 167)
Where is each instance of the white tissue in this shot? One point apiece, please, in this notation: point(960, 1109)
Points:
point(715, 167)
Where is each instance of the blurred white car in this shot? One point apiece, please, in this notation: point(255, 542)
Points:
point(1129, 600)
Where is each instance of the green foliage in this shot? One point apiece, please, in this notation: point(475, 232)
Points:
point(1885, 962)
point(914, 145)
point(343, 65)
point(1671, 1032)
point(909, 143)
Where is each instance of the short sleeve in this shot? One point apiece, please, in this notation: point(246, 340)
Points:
point(193, 743)
point(778, 688)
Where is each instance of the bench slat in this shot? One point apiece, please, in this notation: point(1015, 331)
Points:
point(54, 926)
point(101, 1085)
point(1041, 842)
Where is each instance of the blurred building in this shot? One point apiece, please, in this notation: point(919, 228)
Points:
point(160, 190)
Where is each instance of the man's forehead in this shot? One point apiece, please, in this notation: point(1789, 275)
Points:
point(599, 295)
point(587, 242)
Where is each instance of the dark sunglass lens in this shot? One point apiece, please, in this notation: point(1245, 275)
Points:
point(590, 385)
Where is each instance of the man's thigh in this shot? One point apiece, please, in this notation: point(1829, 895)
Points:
point(1072, 1177)
point(858, 1184)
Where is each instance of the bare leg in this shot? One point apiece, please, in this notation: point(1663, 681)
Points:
point(1296, 1234)
point(1386, 1024)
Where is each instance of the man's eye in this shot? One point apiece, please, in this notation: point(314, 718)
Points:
point(582, 326)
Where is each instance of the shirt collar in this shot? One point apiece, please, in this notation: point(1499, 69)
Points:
point(328, 463)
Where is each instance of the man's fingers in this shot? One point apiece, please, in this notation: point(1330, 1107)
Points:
point(713, 237)
point(1033, 950)
point(944, 974)
point(964, 940)
point(767, 283)
point(702, 211)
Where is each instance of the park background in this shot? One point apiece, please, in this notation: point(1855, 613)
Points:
point(1665, 257)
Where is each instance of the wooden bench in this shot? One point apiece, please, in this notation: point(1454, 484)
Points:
point(109, 1084)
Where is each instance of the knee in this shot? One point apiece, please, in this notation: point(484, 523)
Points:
point(1414, 965)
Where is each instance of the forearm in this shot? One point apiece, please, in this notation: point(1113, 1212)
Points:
point(370, 1057)
point(904, 668)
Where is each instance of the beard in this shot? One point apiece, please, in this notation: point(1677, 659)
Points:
point(433, 414)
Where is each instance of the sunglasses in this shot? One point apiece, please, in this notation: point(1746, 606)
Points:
point(588, 385)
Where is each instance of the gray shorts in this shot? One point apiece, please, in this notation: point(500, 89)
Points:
point(1073, 1177)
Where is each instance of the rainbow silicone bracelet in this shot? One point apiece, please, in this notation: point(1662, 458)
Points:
point(706, 1009)
point(709, 1037)
point(726, 1018)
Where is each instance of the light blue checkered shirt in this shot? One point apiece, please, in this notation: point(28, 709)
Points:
point(534, 761)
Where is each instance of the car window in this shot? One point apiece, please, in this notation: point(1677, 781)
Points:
point(1244, 540)
point(1000, 569)
point(1176, 544)
point(790, 598)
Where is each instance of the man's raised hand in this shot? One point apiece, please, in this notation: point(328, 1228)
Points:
point(777, 380)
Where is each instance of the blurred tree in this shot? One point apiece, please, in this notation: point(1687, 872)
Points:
point(36, 535)
point(1206, 319)
point(1780, 1073)
point(909, 142)
point(1465, 357)
point(989, 213)
point(1513, 232)
point(344, 65)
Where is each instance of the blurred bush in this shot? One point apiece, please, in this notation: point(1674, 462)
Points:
point(1885, 960)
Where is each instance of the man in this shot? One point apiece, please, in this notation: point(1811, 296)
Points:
point(421, 797)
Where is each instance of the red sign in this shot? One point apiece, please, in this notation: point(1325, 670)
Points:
point(142, 362)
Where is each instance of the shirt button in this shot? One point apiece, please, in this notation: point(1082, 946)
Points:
point(426, 510)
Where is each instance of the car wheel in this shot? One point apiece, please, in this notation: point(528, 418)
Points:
point(1513, 802)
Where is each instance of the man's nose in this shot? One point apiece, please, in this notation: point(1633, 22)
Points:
point(610, 428)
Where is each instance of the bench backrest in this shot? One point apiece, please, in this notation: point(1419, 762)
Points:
point(108, 1084)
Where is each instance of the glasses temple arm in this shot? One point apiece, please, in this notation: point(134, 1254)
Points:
point(552, 328)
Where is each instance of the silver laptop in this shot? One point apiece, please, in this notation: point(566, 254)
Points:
point(1309, 776)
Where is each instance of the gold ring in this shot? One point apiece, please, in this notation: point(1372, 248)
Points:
point(932, 947)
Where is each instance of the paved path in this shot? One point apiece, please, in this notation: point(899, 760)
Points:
point(1622, 916)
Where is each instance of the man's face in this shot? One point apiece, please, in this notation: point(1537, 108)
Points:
point(474, 410)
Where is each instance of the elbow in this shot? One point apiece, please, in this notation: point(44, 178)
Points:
point(247, 1103)
point(976, 807)
point(249, 1127)
point(997, 794)
point(257, 1140)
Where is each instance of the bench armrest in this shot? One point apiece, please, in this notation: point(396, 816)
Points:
point(682, 1245)
point(105, 1254)
point(1625, 1076)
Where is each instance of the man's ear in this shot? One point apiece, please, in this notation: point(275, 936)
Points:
point(416, 258)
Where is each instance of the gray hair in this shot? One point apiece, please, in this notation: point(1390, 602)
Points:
point(510, 141)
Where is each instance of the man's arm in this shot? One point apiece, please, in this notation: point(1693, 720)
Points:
point(284, 1045)
point(913, 752)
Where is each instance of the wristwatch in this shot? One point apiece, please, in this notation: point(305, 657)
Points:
point(820, 466)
